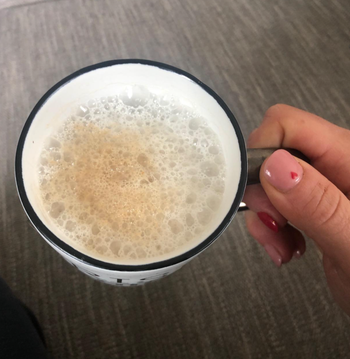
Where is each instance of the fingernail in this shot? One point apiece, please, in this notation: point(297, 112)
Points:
point(297, 254)
point(282, 170)
point(274, 255)
point(268, 221)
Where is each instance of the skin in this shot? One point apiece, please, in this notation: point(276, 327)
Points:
point(318, 204)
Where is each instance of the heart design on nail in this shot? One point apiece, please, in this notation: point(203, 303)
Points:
point(294, 175)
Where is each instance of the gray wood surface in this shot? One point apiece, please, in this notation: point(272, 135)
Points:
point(230, 302)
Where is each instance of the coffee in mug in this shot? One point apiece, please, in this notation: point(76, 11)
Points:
point(130, 168)
point(132, 177)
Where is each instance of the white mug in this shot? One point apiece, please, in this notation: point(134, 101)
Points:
point(100, 80)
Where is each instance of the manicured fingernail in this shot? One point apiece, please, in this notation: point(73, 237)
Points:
point(268, 221)
point(274, 255)
point(282, 170)
point(297, 254)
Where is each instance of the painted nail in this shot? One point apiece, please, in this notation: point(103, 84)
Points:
point(282, 170)
point(297, 254)
point(268, 221)
point(274, 255)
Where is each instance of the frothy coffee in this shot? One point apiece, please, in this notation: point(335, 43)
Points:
point(132, 176)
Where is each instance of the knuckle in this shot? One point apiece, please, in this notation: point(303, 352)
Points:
point(273, 112)
point(325, 208)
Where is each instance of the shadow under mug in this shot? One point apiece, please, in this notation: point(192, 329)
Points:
point(135, 70)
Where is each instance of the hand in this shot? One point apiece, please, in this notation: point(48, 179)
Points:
point(313, 198)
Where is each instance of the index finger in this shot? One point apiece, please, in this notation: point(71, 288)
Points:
point(327, 145)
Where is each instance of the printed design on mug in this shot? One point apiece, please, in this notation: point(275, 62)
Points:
point(127, 278)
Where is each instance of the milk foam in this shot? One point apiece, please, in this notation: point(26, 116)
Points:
point(132, 176)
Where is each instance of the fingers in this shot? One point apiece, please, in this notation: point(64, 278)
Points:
point(310, 202)
point(326, 144)
point(281, 246)
point(289, 242)
point(311, 198)
point(258, 202)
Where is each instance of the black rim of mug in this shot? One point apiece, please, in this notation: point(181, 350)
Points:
point(70, 251)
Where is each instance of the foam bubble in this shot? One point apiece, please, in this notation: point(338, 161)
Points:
point(56, 209)
point(213, 202)
point(135, 96)
point(204, 216)
point(210, 169)
point(70, 226)
point(52, 144)
point(115, 247)
point(194, 124)
point(214, 150)
point(191, 198)
point(82, 110)
point(175, 226)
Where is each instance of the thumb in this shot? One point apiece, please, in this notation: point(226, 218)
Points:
point(310, 202)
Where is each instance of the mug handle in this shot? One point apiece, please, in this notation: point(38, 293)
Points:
point(256, 157)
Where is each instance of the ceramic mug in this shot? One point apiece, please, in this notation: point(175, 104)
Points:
point(100, 80)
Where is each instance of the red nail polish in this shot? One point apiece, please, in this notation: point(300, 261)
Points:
point(268, 221)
